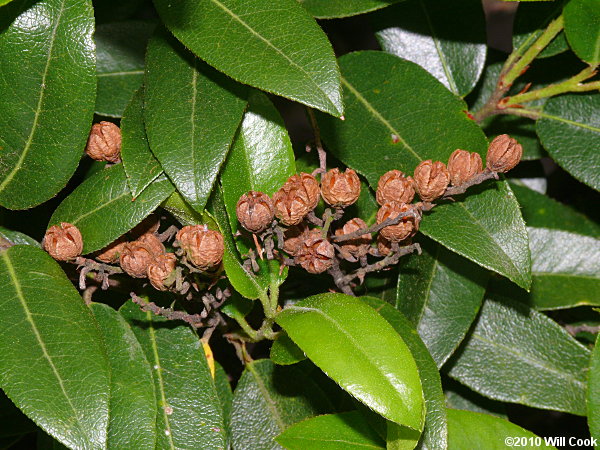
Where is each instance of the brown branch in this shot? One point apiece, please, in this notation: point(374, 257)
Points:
point(195, 320)
point(375, 228)
point(318, 144)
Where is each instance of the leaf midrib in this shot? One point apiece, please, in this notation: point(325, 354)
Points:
point(270, 402)
point(436, 42)
point(270, 44)
point(38, 109)
point(569, 122)
point(159, 377)
point(387, 124)
point(29, 318)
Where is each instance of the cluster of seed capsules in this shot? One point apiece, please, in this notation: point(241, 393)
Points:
point(315, 249)
point(199, 249)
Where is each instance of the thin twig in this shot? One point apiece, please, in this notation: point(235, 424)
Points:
point(318, 144)
point(195, 320)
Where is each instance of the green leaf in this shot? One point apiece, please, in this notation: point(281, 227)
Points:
point(581, 27)
point(530, 22)
point(366, 357)
point(284, 352)
point(53, 365)
point(189, 412)
point(4, 2)
point(47, 94)
point(569, 129)
point(468, 430)
point(541, 211)
point(446, 39)
point(440, 293)
point(386, 114)
point(120, 50)
point(10, 237)
point(332, 9)
point(348, 430)
point(435, 431)
point(273, 45)
point(510, 339)
point(192, 113)
point(593, 393)
point(103, 209)
point(270, 398)
point(565, 268)
point(132, 403)
point(141, 167)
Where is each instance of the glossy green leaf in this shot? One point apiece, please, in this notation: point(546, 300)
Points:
point(331, 9)
point(435, 433)
point(192, 113)
point(530, 22)
point(188, 405)
point(47, 94)
point(541, 211)
point(284, 352)
point(385, 113)
point(4, 2)
point(53, 364)
point(10, 237)
point(508, 339)
point(273, 45)
point(569, 129)
point(243, 281)
point(120, 50)
point(366, 357)
point(468, 430)
point(446, 39)
point(103, 209)
point(440, 293)
point(593, 393)
point(141, 167)
point(582, 30)
point(565, 268)
point(270, 398)
point(348, 430)
point(132, 403)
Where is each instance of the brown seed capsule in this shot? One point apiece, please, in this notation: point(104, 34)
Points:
point(293, 238)
point(104, 142)
point(462, 166)
point(255, 211)
point(384, 247)
point(203, 248)
point(111, 252)
point(161, 272)
point(63, 242)
point(135, 259)
point(340, 189)
point(406, 228)
point(503, 154)
point(149, 225)
point(431, 179)
point(315, 255)
point(394, 186)
point(153, 244)
point(356, 248)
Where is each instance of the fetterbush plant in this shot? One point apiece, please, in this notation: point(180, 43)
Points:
point(173, 291)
